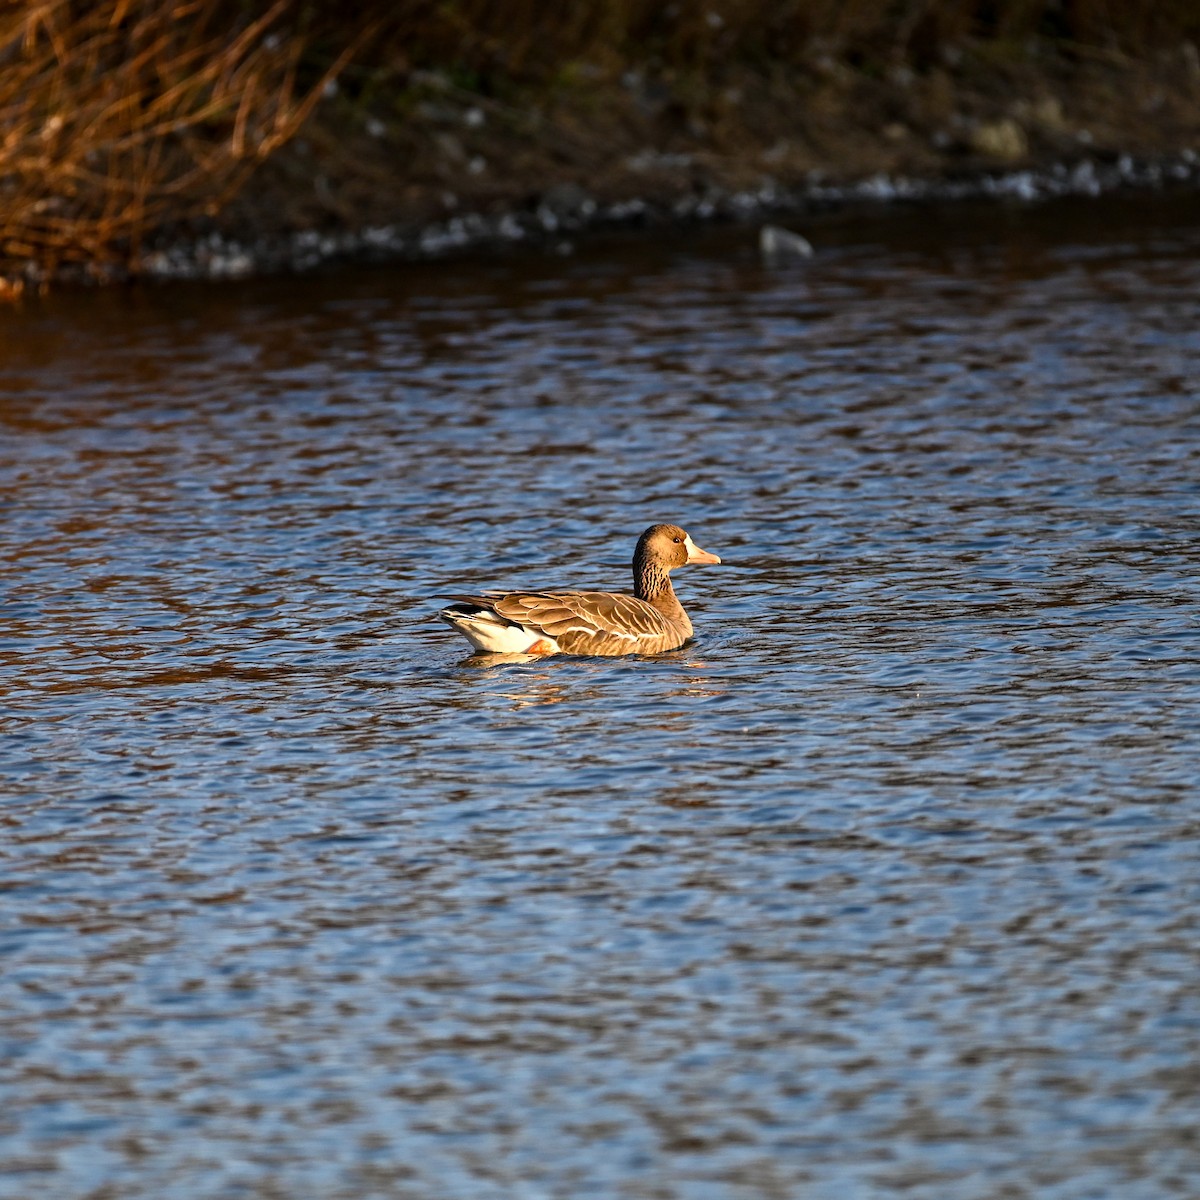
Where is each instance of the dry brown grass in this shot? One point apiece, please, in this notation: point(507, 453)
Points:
point(116, 115)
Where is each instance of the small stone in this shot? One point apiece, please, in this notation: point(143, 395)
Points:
point(1003, 139)
point(776, 244)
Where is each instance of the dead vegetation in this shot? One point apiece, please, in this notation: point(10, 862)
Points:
point(115, 116)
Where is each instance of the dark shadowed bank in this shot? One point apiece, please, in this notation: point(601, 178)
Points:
point(214, 137)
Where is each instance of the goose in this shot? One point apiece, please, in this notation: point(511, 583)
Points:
point(609, 623)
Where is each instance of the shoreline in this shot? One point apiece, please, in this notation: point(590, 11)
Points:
point(427, 168)
point(561, 220)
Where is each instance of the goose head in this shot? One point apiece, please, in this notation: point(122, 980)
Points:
point(667, 546)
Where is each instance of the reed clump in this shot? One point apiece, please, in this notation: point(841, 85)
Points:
point(117, 116)
point(120, 117)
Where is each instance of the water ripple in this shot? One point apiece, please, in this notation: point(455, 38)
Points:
point(884, 883)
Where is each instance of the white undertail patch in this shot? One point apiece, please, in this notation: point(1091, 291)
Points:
point(491, 634)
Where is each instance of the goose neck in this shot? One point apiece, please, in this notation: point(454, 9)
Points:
point(651, 582)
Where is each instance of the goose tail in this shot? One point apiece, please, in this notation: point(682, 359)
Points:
point(490, 633)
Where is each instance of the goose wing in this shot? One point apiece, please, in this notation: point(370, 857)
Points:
point(591, 622)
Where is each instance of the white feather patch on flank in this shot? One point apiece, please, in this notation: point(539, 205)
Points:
point(489, 634)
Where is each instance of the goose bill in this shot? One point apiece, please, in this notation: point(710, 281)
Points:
point(696, 555)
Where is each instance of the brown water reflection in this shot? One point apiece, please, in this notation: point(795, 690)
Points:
point(884, 883)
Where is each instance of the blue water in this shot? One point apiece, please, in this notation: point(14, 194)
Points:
point(884, 885)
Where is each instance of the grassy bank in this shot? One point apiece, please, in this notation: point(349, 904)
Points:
point(126, 122)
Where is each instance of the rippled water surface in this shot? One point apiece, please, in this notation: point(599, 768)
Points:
point(884, 885)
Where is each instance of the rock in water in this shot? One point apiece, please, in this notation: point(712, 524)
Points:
point(777, 244)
